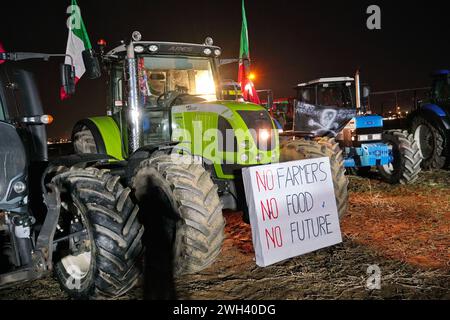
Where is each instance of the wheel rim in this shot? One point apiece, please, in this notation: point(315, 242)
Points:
point(424, 137)
point(77, 263)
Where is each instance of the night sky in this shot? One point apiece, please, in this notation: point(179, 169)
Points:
point(290, 41)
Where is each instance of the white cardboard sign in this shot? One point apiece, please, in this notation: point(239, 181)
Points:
point(292, 209)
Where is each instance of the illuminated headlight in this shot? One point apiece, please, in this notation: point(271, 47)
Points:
point(19, 187)
point(153, 48)
point(244, 157)
point(264, 135)
point(217, 52)
point(369, 137)
point(280, 130)
point(207, 51)
point(377, 136)
point(138, 49)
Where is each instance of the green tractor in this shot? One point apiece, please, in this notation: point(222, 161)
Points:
point(179, 145)
point(176, 143)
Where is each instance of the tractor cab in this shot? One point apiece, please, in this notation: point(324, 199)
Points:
point(168, 74)
point(324, 106)
point(332, 107)
point(159, 91)
point(441, 86)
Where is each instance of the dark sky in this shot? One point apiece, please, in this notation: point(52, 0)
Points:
point(290, 41)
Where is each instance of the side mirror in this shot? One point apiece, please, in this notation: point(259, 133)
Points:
point(68, 78)
point(93, 70)
point(365, 92)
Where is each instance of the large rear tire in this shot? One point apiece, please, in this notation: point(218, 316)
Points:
point(405, 167)
point(431, 142)
point(306, 149)
point(103, 259)
point(181, 203)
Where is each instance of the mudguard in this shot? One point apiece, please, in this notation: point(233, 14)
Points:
point(106, 134)
point(433, 114)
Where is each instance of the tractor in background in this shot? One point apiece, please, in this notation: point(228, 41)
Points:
point(70, 216)
point(331, 109)
point(430, 123)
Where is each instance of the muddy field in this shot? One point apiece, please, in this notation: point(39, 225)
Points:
point(404, 230)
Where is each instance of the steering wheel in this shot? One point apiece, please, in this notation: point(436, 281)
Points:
point(167, 97)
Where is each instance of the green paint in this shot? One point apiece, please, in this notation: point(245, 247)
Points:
point(80, 33)
point(111, 136)
point(244, 51)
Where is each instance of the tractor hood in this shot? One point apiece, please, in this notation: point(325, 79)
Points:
point(249, 136)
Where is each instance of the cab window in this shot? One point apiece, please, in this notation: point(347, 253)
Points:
point(307, 95)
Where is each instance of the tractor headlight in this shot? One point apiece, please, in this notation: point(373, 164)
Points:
point(369, 137)
point(207, 51)
point(19, 187)
point(138, 49)
point(153, 48)
point(363, 137)
point(217, 52)
point(244, 157)
point(264, 135)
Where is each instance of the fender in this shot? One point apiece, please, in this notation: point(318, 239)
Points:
point(433, 114)
point(106, 134)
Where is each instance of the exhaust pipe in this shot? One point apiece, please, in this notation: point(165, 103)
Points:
point(358, 92)
point(133, 114)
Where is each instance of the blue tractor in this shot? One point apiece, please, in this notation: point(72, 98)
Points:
point(430, 123)
point(329, 109)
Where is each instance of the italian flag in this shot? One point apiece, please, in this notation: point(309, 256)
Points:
point(77, 42)
point(247, 86)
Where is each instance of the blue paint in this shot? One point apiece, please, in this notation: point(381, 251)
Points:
point(434, 108)
point(442, 72)
point(368, 122)
point(277, 124)
point(370, 155)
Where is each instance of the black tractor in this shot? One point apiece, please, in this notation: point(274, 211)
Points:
point(69, 216)
point(430, 123)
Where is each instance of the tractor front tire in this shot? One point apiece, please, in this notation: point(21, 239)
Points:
point(181, 204)
point(431, 142)
point(405, 167)
point(104, 261)
point(305, 149)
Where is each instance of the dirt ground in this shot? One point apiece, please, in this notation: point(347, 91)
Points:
point(404, 230)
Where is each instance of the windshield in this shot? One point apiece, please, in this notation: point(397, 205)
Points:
point(177, 75)
point(335, 95)
point(442, 89)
